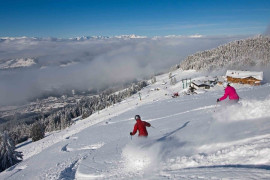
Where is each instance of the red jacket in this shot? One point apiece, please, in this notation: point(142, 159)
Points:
point(231, 92)
point(141, 126)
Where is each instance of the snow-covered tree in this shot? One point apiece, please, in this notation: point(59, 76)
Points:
point(173, 81)
point(170, 75)
point(19, 133)
point(8, 155)
point(153, 80)
point(37, 131)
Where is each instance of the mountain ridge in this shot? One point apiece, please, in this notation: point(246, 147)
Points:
point(237, 54)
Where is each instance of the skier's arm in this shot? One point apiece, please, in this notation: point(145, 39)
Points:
point(135, 129)
point(224, 96)
point(147, 124)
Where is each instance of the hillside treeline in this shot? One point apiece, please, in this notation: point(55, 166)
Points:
point(238, 54)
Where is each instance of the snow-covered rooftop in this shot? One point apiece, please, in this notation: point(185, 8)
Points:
point(245, 74)
point(203, 80)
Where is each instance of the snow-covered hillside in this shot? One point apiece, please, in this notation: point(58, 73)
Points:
point(238, 54)
point(191, 137)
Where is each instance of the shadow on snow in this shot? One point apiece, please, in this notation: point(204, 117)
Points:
point(171, 133)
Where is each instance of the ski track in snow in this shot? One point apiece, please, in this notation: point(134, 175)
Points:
point(67, 168)
point(87, 147)
point(168, 116)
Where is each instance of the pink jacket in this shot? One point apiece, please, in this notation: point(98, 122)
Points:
point(231, 92)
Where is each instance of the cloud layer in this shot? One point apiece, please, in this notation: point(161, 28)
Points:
point(92, 63)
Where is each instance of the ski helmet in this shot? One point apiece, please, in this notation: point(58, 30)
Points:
point(225, 84)
point(137, 117)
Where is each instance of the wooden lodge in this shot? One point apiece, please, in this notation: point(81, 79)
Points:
point(244, 77)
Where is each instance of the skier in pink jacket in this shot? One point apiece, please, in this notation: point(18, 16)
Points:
point(231, 92)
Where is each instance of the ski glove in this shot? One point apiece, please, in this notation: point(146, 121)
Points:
point(131, 133)
point(218, 100)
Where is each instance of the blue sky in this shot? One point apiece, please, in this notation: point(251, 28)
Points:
point(71, 18)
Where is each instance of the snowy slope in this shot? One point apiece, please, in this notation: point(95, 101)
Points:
point(191, 138)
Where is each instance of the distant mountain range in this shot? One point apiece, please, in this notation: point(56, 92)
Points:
point(83, 38)
point(17, 63)
point(238, 54)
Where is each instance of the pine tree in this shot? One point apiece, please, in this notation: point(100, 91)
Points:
point(37, 131)
point(8, 155)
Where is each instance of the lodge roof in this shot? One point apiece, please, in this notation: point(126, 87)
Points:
point(245, 74)
point(200, 83)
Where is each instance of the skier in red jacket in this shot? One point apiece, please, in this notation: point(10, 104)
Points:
point(141, 126)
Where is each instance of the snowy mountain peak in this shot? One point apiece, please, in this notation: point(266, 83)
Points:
point(17, 63)
point(79, 38)
point(83, 38)
point(132, 36)
point(181, 36)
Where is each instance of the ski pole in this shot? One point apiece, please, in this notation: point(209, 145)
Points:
point(215, 107)
point(155, 128)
